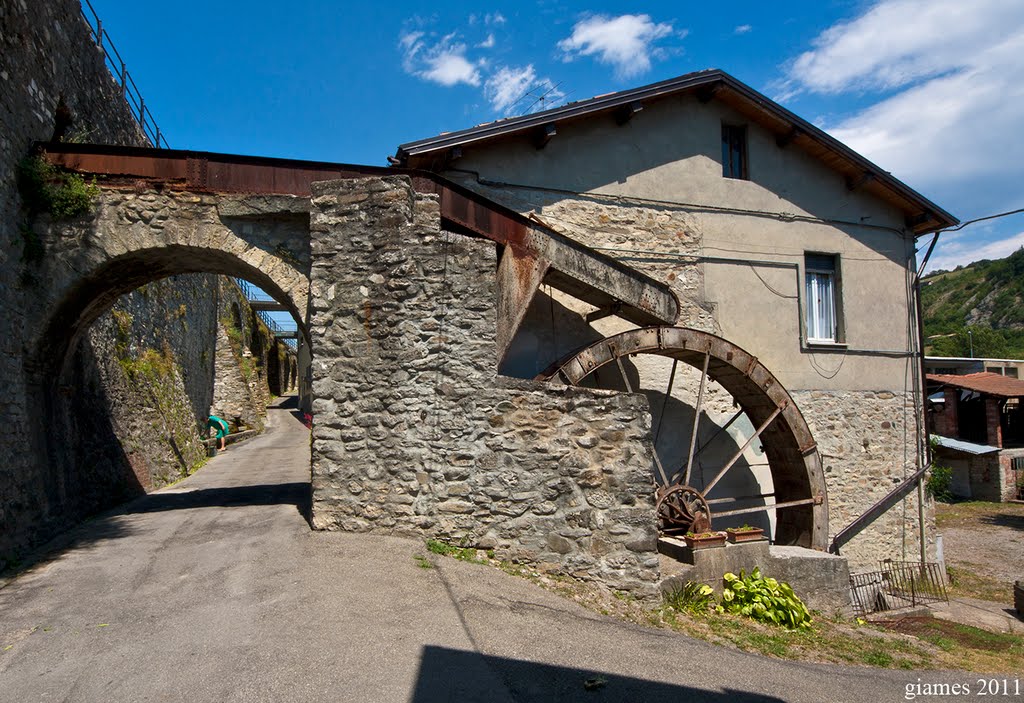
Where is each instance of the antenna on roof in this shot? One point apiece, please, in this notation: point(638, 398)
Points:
point(542, 98)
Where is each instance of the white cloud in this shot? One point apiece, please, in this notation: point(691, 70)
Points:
point(443, 62)
point(624, 42)
point(951, 81)
point(961, 249)
point(487, 43)
point(510, 87)
point(495, 18)
point(898, 42)
point(742, 29)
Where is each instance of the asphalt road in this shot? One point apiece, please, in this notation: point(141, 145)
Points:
point(217, 590)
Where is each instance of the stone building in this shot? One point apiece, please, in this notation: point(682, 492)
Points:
point(774, 236)
point(747, 280)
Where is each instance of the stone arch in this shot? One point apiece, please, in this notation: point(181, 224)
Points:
point(134, 239)
point(130, 240)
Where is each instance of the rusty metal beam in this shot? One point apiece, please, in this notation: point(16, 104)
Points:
point(519, 277)
point(574, 268)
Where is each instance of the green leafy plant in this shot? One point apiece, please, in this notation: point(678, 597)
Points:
point(461, 553)
point(45, 188)
point(692, 597)
point(940, 481)
point(743, 528)
point(763, 599)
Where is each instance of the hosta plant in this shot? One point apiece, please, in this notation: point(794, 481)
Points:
point(763, 599)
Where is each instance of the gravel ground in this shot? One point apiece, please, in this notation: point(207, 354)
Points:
point(986, 539)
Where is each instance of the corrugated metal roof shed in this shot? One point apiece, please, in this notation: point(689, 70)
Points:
point(962, 446)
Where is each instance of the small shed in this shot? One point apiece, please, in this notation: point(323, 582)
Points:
point(978, 430)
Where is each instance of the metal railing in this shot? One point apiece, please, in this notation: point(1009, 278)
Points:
point(276, 327)
point(129, 91)
point(897, 584)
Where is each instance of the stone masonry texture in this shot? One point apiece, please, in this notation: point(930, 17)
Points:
point(413, 432)
point(46, 57)
point(126, 410)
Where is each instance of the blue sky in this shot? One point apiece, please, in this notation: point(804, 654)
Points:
point(931, 90)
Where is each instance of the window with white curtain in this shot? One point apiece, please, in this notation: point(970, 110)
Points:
point(821, 298)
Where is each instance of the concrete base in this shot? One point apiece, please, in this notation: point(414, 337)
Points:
point(821, 580)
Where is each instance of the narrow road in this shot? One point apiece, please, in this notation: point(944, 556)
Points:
point(217, 590)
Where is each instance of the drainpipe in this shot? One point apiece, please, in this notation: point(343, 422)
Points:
point(927, 454)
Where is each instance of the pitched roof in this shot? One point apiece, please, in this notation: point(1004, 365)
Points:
point(922, 215)
point(984, 382)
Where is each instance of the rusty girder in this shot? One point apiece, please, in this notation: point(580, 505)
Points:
point(531, 247)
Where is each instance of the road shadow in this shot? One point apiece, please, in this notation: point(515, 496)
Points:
point(287, 402)
point(455, 675)
point(297, 494)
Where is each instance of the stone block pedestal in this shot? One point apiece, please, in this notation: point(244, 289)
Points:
point(821, 580)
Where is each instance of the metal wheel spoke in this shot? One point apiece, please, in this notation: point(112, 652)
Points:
point(664, 402)
point(734, 499)
point(817, 500)
point(622, 372)
point(660, 467)
point(746, 445)
point(696, 416)
point(789, 455)
point(720, 430)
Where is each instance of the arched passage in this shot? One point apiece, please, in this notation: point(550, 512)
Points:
point(788, 445)
point(131, 240)
point(85, 299)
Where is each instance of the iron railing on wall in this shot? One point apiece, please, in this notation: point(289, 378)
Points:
point(897, 584)
point(276, 327)
point(129, 91)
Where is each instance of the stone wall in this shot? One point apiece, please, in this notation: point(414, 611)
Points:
point(241, 392)
point(662, 240)
point(866, 444)
point(868, 439)
point(154, 353)
point(413, 432)
point(46, 58)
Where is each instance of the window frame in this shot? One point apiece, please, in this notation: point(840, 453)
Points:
point(735, 135)
point(838, 322)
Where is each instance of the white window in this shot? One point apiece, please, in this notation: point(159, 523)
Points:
point(821, 298)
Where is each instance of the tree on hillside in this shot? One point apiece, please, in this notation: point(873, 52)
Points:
point(985, 342)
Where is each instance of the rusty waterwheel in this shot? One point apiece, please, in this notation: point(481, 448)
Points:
point(688, 499)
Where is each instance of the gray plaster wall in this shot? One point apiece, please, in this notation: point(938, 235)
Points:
point(414, 434)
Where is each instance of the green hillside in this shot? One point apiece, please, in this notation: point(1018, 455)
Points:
point(986, 298)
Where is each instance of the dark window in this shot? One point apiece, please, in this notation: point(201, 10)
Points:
point(734, 151)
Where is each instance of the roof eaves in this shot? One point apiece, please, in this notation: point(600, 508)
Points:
point(509, 125)
point(498, 128)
